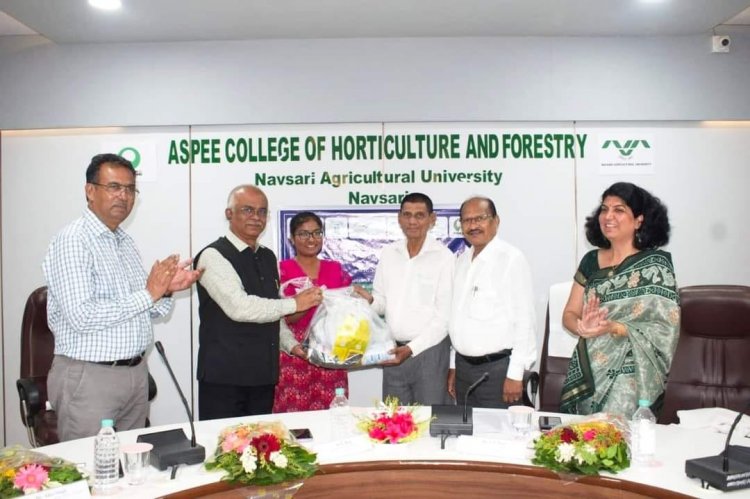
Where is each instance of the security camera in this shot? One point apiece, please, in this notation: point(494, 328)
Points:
point(720, 43)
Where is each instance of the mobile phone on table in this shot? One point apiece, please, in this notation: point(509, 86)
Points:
point(302, 433)
point(549, 422)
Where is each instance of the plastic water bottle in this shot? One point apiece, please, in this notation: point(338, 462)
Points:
point(106, 455)
point(643, 434)
point(341, 415)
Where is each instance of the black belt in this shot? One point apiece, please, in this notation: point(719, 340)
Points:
point(490, 357)
point(401, 343)
point(132, 362)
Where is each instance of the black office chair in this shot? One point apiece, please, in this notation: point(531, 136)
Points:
point(710, 364)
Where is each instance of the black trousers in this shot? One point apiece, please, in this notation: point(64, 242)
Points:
point(227, 401)
point(489, 393)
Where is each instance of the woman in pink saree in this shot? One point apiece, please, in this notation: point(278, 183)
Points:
point(303, 386)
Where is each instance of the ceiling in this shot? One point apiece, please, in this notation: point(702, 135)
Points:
point(73, 21)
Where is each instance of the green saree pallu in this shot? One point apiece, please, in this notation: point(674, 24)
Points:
point(610, 374)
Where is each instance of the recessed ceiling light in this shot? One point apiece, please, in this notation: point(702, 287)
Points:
point(106, 4)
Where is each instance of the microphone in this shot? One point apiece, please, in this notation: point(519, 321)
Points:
point(172, 447)
point(478, 382)
point(450, 420)
point(730, 470)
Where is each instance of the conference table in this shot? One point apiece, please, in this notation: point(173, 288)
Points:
point(493, 461)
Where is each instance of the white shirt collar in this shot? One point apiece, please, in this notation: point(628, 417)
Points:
point(239, 243)
point(427, 246)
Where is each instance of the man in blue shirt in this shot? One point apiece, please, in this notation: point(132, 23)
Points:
point(100, 304)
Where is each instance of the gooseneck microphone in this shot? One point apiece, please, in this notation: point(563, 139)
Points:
point(455, 420)
point(730, 470)
point(172, 447)
point(725, 464)
point(160, 349)
point(478, 382)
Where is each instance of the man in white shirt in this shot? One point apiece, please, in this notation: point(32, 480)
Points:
point(240, 309)
point(492, 318)
point(412, 288)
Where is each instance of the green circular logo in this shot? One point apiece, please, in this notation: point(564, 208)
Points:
point(132, 155)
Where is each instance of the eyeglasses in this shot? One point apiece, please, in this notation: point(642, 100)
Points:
point(249, 211)
point(477, 220)
point(419, 216)
point(306, 234)
point(113, 188)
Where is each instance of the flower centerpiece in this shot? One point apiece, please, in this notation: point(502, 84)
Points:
point(24, 472)
point(261, 453)
point(586, 447)
point(392, 423)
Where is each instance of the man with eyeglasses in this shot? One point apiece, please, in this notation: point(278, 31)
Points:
point(100, 304)
point(492, 323)
point(412, 288)
point(240, 310)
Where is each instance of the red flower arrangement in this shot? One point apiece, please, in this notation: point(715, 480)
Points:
point(586, 447)
point(261, 454)
point(392, 423)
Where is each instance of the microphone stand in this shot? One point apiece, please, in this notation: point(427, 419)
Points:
point(172, 447)
point(450, 420)
point(730, 470)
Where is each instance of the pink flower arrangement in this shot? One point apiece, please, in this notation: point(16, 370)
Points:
point(25, 471)
point(261, 454)
point(392, 423)
point(30, 478)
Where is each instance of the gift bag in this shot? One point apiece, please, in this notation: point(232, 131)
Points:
point(345, 332)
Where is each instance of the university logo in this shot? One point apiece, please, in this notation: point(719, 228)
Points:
point(621, 154)
point(131, 154)
point(626, 149)
point(140, 150)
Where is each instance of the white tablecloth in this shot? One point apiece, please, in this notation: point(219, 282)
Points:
point(493, 441)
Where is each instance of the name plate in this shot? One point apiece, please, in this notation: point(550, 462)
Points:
point(75, 490)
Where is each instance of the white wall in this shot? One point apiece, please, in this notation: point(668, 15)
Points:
point(375, 80)
point(372, 80)
point(542, 203)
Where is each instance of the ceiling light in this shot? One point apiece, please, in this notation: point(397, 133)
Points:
point(106, 4)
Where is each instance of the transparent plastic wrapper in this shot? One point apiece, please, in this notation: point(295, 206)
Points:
point(294, 286)
point(585, 446)
point(346, 333)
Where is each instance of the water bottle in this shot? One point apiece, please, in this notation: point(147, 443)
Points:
point(643, 434)
point(106, 456)
point(341, 415)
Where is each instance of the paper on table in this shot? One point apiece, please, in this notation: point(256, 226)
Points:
point(497, 446)
point(717, 418)
point(490, 421)
point(331, 451)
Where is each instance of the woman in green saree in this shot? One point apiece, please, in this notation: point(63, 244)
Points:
point(624, 307)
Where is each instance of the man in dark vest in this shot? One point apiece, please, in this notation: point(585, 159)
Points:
point(240, 311)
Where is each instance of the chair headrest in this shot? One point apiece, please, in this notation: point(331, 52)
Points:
point(717, 311)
